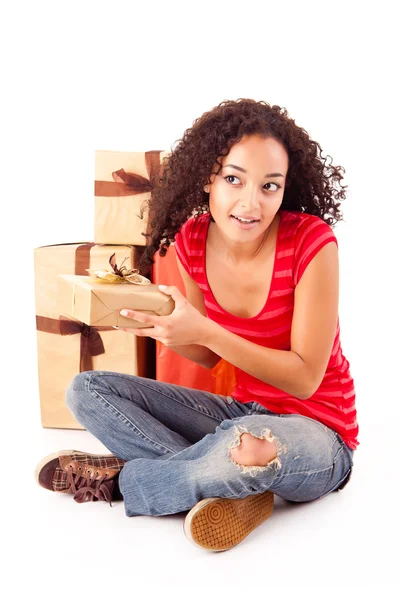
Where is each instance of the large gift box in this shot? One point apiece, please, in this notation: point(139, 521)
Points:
point(174, 368)
point(68, 346)
point(123, 181)
point(100, 303)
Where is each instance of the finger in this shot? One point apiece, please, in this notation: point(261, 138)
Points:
point(141, 317)
point(123, 329)
point(138, 332)
point(175, 293)
point(141, 332)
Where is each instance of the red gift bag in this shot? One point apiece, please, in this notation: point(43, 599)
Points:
point(224, 378)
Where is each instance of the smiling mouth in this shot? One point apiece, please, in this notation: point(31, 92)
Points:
point(245, 220)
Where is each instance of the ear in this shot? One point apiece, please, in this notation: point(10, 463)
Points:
point(207, 187)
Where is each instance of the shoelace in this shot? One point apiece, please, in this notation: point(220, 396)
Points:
point(92, 486)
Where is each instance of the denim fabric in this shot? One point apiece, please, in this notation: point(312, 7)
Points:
point(177, 440)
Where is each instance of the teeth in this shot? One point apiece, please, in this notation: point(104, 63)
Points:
point(244, 220)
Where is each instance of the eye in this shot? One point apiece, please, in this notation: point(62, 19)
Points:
point(278, 187)
point(270, 183)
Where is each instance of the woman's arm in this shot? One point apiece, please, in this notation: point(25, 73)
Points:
point(300, 370)
point(283, 369)
point(199, 354)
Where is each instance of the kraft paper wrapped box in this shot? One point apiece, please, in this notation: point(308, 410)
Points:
point(123, 181)
point(174, 368)
point(99, 304)
point(66, 346)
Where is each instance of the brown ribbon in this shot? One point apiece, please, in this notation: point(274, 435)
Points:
point(91, 342)
point(82, 258)
point(130, 184)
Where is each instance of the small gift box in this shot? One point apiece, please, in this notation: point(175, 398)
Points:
point(123, 181)
point(98, 299)
point(66, 347)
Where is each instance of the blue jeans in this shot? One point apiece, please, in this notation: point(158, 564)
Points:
point(176, 441)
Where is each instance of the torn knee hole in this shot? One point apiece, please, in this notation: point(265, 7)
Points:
point(254, 453)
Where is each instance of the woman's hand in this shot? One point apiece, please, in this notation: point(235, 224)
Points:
point(185, 325)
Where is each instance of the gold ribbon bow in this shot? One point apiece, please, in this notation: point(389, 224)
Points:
point(117, 275)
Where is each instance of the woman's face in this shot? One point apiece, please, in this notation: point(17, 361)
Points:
point(252, 189)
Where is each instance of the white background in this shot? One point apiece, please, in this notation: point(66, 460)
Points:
point(80, 76)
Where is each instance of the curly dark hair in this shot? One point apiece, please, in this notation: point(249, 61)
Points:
point(178, 193)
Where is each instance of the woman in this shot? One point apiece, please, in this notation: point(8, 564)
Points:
point(249, 203)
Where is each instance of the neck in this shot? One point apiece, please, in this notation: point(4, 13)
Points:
point(241, 254)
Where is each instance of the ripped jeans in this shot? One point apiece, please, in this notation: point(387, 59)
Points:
point(177, 443)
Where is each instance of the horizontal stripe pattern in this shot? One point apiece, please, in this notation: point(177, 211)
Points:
point(300, 237)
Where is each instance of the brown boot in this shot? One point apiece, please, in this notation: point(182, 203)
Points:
point(87, 476)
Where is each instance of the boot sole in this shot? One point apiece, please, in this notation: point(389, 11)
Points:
point(50, 457)
point(220, 523)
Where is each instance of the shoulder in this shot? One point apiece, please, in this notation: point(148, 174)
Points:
point(189, 239)
point(304, 228)
point(194, 226)
point(307, 235)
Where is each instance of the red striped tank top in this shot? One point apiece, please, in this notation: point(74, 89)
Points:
point(300, 236)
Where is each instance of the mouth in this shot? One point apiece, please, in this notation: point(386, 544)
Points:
point(245, 221)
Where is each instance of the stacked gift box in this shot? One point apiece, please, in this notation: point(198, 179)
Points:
point(77, 307)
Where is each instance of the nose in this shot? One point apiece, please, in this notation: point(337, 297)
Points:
point(250, 199)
